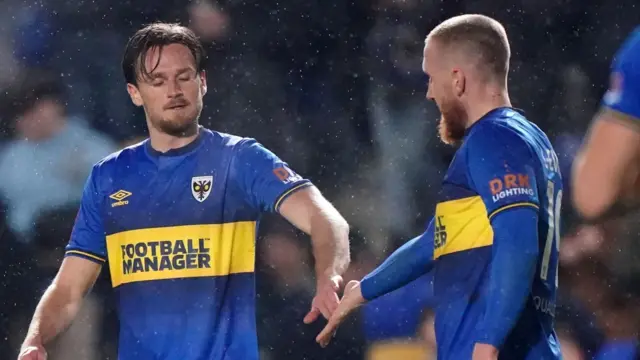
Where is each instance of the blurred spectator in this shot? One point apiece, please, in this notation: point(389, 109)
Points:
point(82, 338)
point(404, 123)
point(48, 162)
point(337, 89)
point(17, 278)
point(569, 346)
point(288, 290)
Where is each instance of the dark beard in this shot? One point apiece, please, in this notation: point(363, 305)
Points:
point(178, 130)
point(453, 124)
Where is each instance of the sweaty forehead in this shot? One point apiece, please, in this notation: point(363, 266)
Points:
point(165, 58)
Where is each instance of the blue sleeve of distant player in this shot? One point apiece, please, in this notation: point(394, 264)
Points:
point(406, 264)
point(501, 167)
point(88, 236)
point(513, 265)
point(623, 94)
point(265, 179)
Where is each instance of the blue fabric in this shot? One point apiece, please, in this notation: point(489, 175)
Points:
point(406, 306)
point(513, 264)
point(177, 231)
point(624, 91)
point(506, 167)
point(406, 264)
point(618, 350)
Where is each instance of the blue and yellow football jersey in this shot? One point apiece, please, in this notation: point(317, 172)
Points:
point(505, 162)
point(623, 95)
point(178, 232)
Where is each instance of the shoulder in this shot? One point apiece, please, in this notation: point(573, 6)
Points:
point(124, 158)
point(508, 131)
point(628, 53)
point(228, 141)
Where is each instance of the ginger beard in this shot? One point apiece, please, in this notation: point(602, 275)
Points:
point(453, 121)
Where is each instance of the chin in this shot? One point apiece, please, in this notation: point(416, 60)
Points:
point(450, 133)
point(453, 123)
point(178, 126)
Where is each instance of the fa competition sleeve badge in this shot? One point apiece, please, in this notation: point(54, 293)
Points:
point(286, 175)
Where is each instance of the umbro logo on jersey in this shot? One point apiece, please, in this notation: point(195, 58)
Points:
point(201, 187)
point(120, 196)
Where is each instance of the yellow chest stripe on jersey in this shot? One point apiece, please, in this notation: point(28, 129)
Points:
point(181, 252)
point(460, 225)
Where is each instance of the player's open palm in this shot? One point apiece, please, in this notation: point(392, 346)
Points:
point(33, 353)
point(351, 300)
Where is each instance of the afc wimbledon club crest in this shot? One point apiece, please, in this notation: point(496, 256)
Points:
point(201, 187)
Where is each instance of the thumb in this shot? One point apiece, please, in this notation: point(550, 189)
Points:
point(337, 282)
point(312, 315)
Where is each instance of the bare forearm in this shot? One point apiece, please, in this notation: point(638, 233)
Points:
point(330, 239)
point(54, 313)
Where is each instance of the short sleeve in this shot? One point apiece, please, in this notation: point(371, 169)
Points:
point(265, 179)
point(502, 169)
point(624, 88)
point(88, 236)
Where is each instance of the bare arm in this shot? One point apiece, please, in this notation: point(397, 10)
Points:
point(606, 166)
point(62, 300)
point(310, 212)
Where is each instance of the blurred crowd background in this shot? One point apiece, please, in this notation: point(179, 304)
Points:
point(335, 88)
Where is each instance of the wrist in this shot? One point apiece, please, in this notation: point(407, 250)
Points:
point(325, 275)
point(31, 341)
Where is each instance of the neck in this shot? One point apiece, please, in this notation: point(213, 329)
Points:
point(491, 99)
point(163, 142)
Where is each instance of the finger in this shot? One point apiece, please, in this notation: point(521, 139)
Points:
point(331, 302)
point(324, 309)
point(311, 316)
point(336, 283)
point(334, 301)
point(327, 333)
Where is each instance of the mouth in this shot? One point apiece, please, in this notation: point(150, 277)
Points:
point(176, 107)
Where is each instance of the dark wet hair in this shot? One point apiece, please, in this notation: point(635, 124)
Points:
point(158, 35)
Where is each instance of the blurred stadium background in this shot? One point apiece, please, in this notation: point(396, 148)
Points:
point(335, 88)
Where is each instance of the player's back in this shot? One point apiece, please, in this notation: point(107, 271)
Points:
point(180, 243)
point(464, 236)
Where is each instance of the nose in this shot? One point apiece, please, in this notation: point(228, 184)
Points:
point(429, 94)
point(174, 90)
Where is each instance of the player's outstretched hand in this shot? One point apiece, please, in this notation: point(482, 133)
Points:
point(351, 300)
point(33, 353)
point(326, 299)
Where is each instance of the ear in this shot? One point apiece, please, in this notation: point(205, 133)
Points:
point(134, 93)
point(203, 82)
point(459, 82)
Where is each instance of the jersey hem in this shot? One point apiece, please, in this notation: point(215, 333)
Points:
point(511, 206)
point(85, 255)
point(282, 197)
